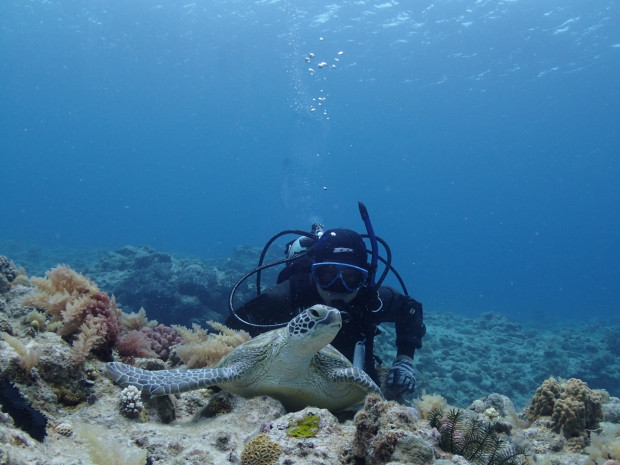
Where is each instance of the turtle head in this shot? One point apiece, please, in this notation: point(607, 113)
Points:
point(317, 326)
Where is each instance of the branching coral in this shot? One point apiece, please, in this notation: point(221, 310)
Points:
point(28, 355)
point(428, 403)
point(136, 321)
point(86, 314)
point(60, 286)
point(131, 401)
point(203, 349)
point(134, 344)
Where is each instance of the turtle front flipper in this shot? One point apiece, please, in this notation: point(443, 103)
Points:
point(162, 382)
point(355, 377)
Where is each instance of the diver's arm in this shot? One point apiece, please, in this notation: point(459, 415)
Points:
point(408, 318)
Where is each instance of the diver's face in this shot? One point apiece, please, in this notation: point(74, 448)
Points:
point(334, 299)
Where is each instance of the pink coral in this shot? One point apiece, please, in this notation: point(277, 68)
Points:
point(89, 316)
point(134, 344)
point(162, 337)
point(96, 321)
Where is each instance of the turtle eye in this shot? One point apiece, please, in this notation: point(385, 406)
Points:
point(314, 313)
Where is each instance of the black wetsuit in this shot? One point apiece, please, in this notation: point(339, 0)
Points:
point(365, 312)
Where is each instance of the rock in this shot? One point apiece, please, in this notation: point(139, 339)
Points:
point(171, 290)
point(413, 449)
point(611, 410)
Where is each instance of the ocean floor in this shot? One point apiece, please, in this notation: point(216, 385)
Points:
point(58, 407)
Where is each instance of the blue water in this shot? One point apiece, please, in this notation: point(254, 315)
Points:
point(483, 136)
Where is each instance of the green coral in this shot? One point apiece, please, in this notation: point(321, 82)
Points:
point(305, 427)
point(260, 450)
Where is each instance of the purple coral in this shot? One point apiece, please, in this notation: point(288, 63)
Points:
point(162, 337)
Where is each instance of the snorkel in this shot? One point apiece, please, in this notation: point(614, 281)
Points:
point(373, 245)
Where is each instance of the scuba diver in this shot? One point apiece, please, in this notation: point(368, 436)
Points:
point(333, 267)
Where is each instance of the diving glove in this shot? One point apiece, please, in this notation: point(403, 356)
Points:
point(401, 378)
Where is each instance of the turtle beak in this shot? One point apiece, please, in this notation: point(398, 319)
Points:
point(333, 318)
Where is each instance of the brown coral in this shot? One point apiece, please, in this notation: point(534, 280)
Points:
point(85, 313)
point(574, 407)
point(202, 349)
point(260, 450)
point(378, 429)
point(28, 355)
point(8, 273)
point(544, 399)
point(578, 409)
point(60, 286)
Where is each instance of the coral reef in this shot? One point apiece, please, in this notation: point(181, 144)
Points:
point(577, 410)
point(8, 273)
point(131, 401)
point(162, 338)
point(173, 290)
point(612, 339)
point(136, 320)
point(220, 404)
point(497, 360)
point(611, 410)
point(379, 427)
point(544, 399)
point(204, 349)
point(305, 427)
point(28, 355)
point(260, 450)
point(604, 444)
point(428, 403)
point(207, 427)
point(498, 410)
point(64, 429)
point(88, 316)
point(474, 439)
point(574, 407)
point(135, 344)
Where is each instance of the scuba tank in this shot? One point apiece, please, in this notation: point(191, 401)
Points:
point(303, 243)
point(359, 355)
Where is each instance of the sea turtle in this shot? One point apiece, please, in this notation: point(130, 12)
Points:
point(294, 364)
